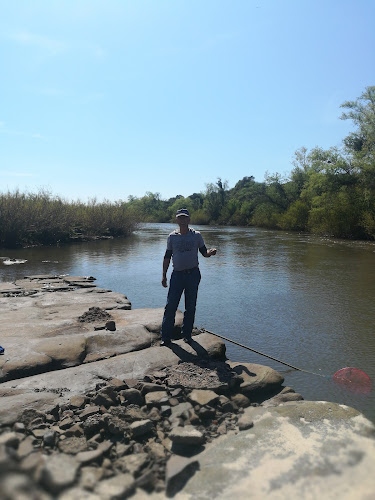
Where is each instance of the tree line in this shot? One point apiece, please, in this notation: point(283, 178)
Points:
point(329, 192)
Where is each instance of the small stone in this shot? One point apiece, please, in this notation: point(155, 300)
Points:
point(158, 398)
point(77, 402)
point(154, 415)
point(240, 400)
point(222, 429)
point(173, 401)
point(117, 384)
point(49, 438)
point(160, 375)
point(203, 397)
point(141, 427)
point(90, 476)
point(72, 445)
point(9, 439)
point(29, 414)
point(34, 461)
point(119, 486)
point(25, 447)
point(157, 450)
point(76, 430)
point(132, 463)
point(245, 422)
point(188, 435)
point(39, 433)
point(178, 410)
point(205, 413)
point(165, 411)
point(19, 427)
point(123, 449)
point(66, 423)
point(88, 411)
point(17, 486)
point(86, 457)
point(177, 392)
point(131, 382)
point(150, 387)
point(59, 472)
point(133, 396)
point(110, 325)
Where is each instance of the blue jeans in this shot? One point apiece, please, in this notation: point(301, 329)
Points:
point(181, 281)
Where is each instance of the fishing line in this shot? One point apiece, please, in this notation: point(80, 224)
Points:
point(352, 378)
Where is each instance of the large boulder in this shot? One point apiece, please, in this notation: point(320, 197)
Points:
point(300, 449)
point(257, 379)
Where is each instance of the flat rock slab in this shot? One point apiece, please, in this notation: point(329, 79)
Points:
point(60, 385)
point(44, 331)
point(302, 449)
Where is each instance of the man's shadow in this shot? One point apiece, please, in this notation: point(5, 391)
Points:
point(185, 355)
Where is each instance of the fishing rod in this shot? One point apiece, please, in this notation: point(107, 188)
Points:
point(352, 378)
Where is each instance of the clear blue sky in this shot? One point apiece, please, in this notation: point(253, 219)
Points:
point(114, 98)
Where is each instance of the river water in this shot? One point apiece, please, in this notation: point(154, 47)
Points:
point(307, 301)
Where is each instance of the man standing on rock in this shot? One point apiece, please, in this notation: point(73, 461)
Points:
point(182, 245)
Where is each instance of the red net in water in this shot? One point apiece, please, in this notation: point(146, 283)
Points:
point(353, 379)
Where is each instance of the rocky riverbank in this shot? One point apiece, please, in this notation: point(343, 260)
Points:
point(93, 408)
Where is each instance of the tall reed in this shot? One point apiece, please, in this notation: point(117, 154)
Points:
point(45, 219)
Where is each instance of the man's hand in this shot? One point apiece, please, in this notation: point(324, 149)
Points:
point(164, 282)
point(211, 251)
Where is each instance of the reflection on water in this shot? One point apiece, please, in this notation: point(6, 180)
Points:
point(307, 301)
